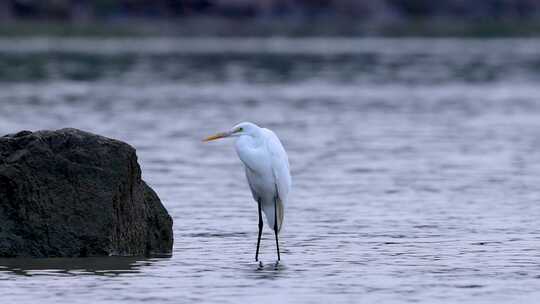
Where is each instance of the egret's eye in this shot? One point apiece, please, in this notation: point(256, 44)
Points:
point(239, 129)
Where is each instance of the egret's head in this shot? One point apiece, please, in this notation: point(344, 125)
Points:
point(243, 128)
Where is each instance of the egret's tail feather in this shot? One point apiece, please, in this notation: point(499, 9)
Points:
point(280, 214)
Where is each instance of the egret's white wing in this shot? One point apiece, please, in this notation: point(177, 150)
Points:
point(280, 164)
point(282, 176)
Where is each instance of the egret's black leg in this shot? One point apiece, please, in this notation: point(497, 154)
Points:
point(260, 231)
point(276, 229)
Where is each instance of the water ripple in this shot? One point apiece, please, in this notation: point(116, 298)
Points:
point(415, 166)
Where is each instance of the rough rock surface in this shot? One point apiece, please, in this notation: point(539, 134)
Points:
point(72, 193)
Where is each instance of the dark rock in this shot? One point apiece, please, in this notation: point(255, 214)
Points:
point(72, 193)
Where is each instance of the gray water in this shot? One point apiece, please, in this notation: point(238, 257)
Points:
point(415, 163)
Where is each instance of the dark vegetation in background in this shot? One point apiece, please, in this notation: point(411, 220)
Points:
point(263, 17)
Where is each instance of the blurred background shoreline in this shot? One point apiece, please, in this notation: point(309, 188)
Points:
point(266, 18)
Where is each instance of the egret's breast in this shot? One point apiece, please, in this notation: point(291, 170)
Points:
point(258, 166)
point(262, 185)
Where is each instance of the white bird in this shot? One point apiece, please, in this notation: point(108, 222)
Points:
point(267, 171)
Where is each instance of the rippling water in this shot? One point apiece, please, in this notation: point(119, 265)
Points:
point(416, 166)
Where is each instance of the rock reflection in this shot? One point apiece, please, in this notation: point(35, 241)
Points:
point(76, 266)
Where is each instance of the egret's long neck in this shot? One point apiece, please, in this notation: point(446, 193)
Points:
point(248, 148)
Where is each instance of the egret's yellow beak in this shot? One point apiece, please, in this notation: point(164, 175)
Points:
point(216, 136)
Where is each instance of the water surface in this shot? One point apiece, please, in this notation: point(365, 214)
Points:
point(416, 165)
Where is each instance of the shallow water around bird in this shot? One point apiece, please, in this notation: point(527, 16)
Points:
point(415, 163)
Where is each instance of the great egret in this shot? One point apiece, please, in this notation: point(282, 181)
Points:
point(267, 171)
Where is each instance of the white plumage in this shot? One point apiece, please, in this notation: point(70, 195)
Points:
point(267, 171)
